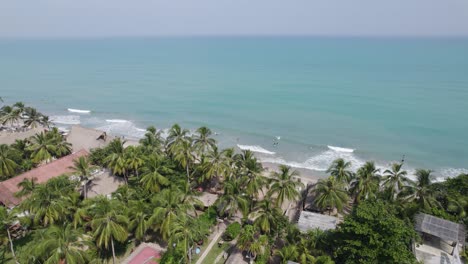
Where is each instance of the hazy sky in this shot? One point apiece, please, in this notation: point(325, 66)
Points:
point(76, 18)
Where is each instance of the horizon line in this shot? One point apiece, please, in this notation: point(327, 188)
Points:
point(156, 36)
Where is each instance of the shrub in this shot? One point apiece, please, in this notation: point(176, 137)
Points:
point(209, 216)
point(232, 231)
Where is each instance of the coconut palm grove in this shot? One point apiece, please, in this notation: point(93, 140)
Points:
point(159, 201)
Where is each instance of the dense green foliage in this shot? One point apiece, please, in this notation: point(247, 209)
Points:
point(18, 115)
point(373, 234)
point(232, 231)
point(159, 203)
point(26, 154)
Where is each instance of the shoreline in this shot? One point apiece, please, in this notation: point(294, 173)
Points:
point(82, 137)
point(306, 176)
point(86, 138)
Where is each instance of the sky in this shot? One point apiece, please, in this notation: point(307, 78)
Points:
point(108, 18)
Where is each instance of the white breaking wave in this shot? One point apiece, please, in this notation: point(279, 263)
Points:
point(319, 162)
point(117, 121)
point(65, 119)
point(122, 127)
point(452, 172)
point(63, 129)
point(256, 149)
point(347, 150)
point(79, 111)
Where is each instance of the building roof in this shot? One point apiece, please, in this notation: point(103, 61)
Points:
point(440, 228)
point(145, 253)
point(308, 221)
point(43, 173)
point(292, 262)
point(208, 199)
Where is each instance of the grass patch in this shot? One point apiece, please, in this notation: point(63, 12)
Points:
point(215, 251)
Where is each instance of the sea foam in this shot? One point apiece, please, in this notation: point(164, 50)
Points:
point(65, 119)
point(117, 121)
point(256, 149)
point(122, 127)
point(79, 111)
point(318, 162)
point(347, 150)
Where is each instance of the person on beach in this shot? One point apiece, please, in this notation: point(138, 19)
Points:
point(103, 137)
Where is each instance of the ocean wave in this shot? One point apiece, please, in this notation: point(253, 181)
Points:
point(256, 149)
point(319, 162)
point(65, 119)
point(123, 128)
point(347, 150)
point(452, 172)
point(63, 129)
point(117, 121)
point(79, 111)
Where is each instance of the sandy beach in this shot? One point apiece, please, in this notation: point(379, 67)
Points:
point(10, 137)
point(306, 176)
point(86, 138)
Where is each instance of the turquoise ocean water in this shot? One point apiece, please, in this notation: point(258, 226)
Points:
point(375, 99)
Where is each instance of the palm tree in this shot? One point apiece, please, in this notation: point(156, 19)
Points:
point(33, 117)
point(109, 223)
point(42, 148)
point(420, 190)
point(287, 253)
point(27, 186)
point(233, 199)
point(340, 169)
point(168, 206)
point(229, 160)
point(366, 183)
point(6, 219)
point(184, 155)
point(186, 231)
point(82, 167)
point(115, 161)
point(304, 255)
point(139, 218)
point(266, 215)
point(7, 165)
point(134, 159)
point(175, 137)
point(62, 244)
point(284, 186)
point(19, 106)
point(330, 193)
point(202, 140)
point(395, 179)
point(213, 165)
point(62, 147)
point(50, 203)
point(9, 115)
point(152, 139)
point(45, 122)
point(154, 174)
point(250, 241)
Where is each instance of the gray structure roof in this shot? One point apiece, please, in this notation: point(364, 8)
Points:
point(440, 228)
point(292, 262)
point(308, 221)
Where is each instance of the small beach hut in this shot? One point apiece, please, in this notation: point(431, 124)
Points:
point(309, 221)
point(442, 239)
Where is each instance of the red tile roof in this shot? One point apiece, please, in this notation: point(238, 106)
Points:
point(43, 173)
point(145, 253)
